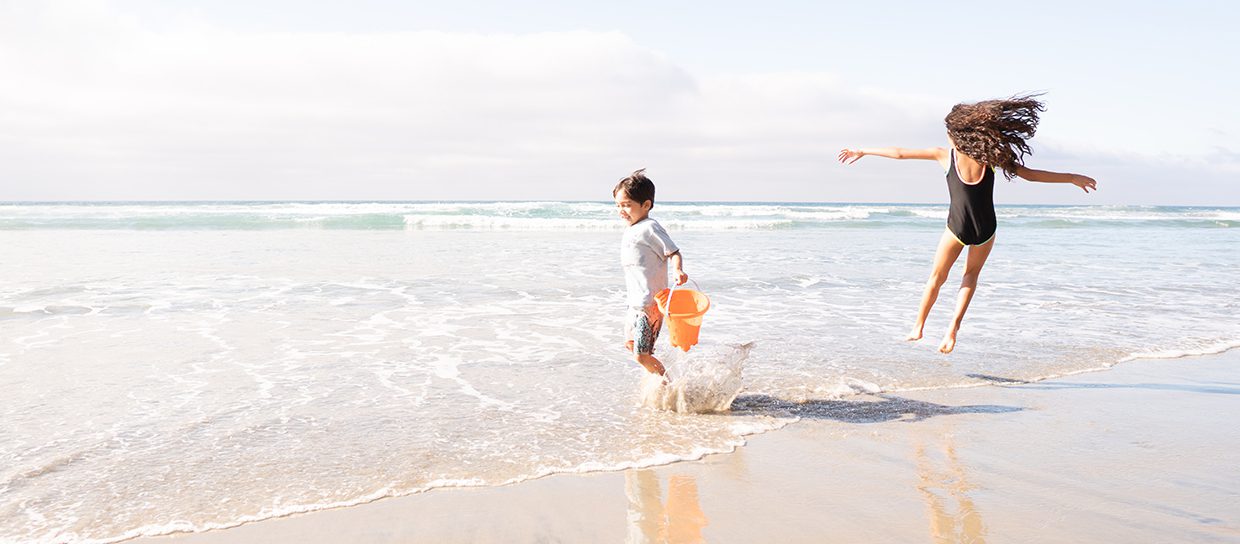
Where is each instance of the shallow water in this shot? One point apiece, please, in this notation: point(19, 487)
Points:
point(189, 366)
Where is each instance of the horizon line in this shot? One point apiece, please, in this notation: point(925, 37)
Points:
point(527, 201)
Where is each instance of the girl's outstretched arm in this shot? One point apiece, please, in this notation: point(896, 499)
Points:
point(1086, 183)
point(849, 156)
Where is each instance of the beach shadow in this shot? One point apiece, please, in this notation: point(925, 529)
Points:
point(1216, 389)
point(890, 408)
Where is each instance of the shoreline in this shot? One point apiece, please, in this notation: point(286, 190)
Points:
point(796, 471)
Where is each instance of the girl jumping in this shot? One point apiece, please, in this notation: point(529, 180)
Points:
point(981, 137)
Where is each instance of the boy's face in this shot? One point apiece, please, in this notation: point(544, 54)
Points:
point(632, 211)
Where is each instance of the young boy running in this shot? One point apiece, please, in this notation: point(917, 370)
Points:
point(645, 251)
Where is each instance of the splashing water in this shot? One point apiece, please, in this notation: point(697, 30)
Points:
point(704, 381)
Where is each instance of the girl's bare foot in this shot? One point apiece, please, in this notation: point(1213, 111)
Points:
point(915, 335)
point(949, 343)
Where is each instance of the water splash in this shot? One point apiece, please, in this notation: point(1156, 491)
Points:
point(703, 381)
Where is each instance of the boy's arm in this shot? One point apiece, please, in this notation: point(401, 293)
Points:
point(1086, 183)
point(849, 156)
point(677, 267)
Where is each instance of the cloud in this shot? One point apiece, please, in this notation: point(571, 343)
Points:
point(96, 106)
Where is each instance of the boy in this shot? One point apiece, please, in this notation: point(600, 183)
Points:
point(645, 251)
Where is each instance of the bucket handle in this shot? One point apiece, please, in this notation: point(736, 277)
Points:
point(671, 290)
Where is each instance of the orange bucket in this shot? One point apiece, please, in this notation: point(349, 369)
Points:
point(684, 314)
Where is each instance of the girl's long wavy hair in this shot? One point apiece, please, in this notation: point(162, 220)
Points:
point(994, 132)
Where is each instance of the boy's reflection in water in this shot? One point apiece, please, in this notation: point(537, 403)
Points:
point(679, 520)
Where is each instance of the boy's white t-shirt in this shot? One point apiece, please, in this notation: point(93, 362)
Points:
point(643, 254)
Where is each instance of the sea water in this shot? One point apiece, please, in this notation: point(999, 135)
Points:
point(186, 366)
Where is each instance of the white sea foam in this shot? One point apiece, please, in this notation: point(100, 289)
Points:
point(476, 222)
point(846, 387)
point(1201, 348)
point(439, 222)
point(570, 216)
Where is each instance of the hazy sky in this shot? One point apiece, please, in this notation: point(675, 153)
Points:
point(359, 100)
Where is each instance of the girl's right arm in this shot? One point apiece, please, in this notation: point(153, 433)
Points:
point(849, 156)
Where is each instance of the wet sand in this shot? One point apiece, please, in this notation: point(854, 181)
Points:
point(1148, 451)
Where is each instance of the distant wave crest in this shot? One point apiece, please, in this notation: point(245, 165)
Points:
point(565, 216)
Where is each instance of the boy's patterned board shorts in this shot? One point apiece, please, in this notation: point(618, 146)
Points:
point(642, 329)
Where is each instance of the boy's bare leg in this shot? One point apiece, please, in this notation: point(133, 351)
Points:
point(944, 257)
point(651, 364)
point(647, 360)
point(968, 285)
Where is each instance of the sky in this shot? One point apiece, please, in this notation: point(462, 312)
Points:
point(497, 100)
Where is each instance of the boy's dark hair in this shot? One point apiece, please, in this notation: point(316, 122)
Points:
point(637, 187)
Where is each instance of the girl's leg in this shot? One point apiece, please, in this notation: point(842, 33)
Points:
point(968, 284)
point(944, 257)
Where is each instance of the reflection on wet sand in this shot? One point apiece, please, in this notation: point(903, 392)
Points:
point(942, 481)
point(650, 520)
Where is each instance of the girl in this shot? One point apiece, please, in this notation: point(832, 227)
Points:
point(982, 136)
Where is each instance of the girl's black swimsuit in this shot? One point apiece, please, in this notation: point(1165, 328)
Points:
point(972, 216)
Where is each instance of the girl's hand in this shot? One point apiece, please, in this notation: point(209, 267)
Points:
point(681, 277)
point(849, 156)
point(1086, 183)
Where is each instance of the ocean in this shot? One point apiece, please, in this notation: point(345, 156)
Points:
point(183, 366)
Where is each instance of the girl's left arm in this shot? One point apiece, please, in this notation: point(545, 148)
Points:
point(1086, 183)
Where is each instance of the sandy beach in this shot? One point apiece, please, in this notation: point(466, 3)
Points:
point(1143, 452)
